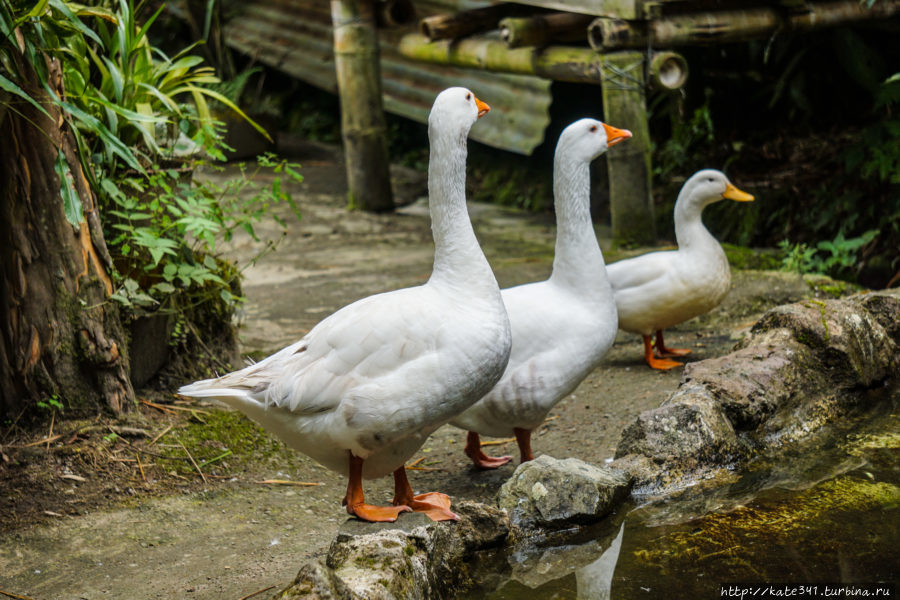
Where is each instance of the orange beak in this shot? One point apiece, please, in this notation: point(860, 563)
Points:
point(614, 136)
point(483, 108)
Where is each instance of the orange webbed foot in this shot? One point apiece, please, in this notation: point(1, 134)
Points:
point(435, 505)
point(672, 352)
point(663, 364)
point(378, 514)
point(663, 352)
point(484, 462)
point(479, 458)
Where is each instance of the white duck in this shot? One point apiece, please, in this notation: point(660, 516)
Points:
point(561, 327)
point(661, 289)
point(365, 387)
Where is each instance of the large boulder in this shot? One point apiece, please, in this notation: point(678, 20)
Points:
point(547, 492)
point(800, 367)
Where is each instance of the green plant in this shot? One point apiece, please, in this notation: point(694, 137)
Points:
point(496, 182)
point(132, 110)
point(836, 258)
point(689, 137)
point(147, 100)
point(167, 228)
point(53, 403)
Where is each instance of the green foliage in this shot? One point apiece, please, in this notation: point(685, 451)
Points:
point(836, 258)
point(678, 155)
point(511, 187)
point(142, 121)
point(53, 403)
point(149, 101)
point(164, 229)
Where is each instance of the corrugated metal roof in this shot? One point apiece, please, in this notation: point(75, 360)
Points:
point(295, 36)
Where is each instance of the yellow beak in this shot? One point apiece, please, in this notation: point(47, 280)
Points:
point(732, 193)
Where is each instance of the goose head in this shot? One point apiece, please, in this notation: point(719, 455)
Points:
point(458, 108)
point(708, 186)
point(586, 139)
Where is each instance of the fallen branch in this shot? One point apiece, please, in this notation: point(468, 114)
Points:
point(194, 462)
point(137, 457)
point(117, 429)
point(50, 433)
point(18, 597)
point(287, 482)
point(157, 438)
point(39, 442)
point(256, 593)
point(498, 442)
point(414, 466)
point(170, 407)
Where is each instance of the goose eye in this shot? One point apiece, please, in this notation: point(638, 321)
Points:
point(468, 96)
point(593, 128)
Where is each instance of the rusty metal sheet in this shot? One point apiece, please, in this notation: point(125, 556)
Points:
point(295, 36)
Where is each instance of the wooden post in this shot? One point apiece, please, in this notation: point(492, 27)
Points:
point(624, 106)
point(362, 116)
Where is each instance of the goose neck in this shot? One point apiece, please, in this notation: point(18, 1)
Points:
point(458, 256)
point(578, 260)
point(690, 232)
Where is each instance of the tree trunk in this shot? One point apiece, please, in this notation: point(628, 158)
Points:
point(61, 336)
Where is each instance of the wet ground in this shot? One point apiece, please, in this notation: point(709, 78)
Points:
point(235, 537)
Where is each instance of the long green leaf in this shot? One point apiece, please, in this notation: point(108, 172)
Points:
point(94, 11)
point(35, 11)
point(116, 78)
point(12, 88)
point(73, 20)
point(143, 32)
point(220, 98)
point(112, 143)
point(71, 201)
point(165, 99)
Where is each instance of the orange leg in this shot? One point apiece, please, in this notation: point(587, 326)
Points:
point(523, 437)
point(663, 352)
point(434, 504)
point(479, 458)
point(355, 501)
point(656, 363)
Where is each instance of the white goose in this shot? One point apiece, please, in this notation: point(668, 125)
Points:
point(365, 387)
point(561, 327)
point(661, 289)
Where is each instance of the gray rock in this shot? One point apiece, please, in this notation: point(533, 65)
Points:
point(547, 492)
point(412, 558)
point(801, 366)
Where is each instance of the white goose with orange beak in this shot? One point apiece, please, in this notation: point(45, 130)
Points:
point(365, 387)
point(561, 327)
point(661, 289)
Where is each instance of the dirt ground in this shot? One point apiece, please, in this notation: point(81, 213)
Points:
point(112, 510)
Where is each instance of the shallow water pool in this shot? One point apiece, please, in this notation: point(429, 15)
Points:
point(816, 520)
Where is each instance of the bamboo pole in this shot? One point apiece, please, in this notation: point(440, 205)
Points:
point(624, 105)
point(446, 26)
point(539, 30)
point(561, 63)
point(363, 126)
point(395, 13)
point(606, 33)
point(668, 71)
